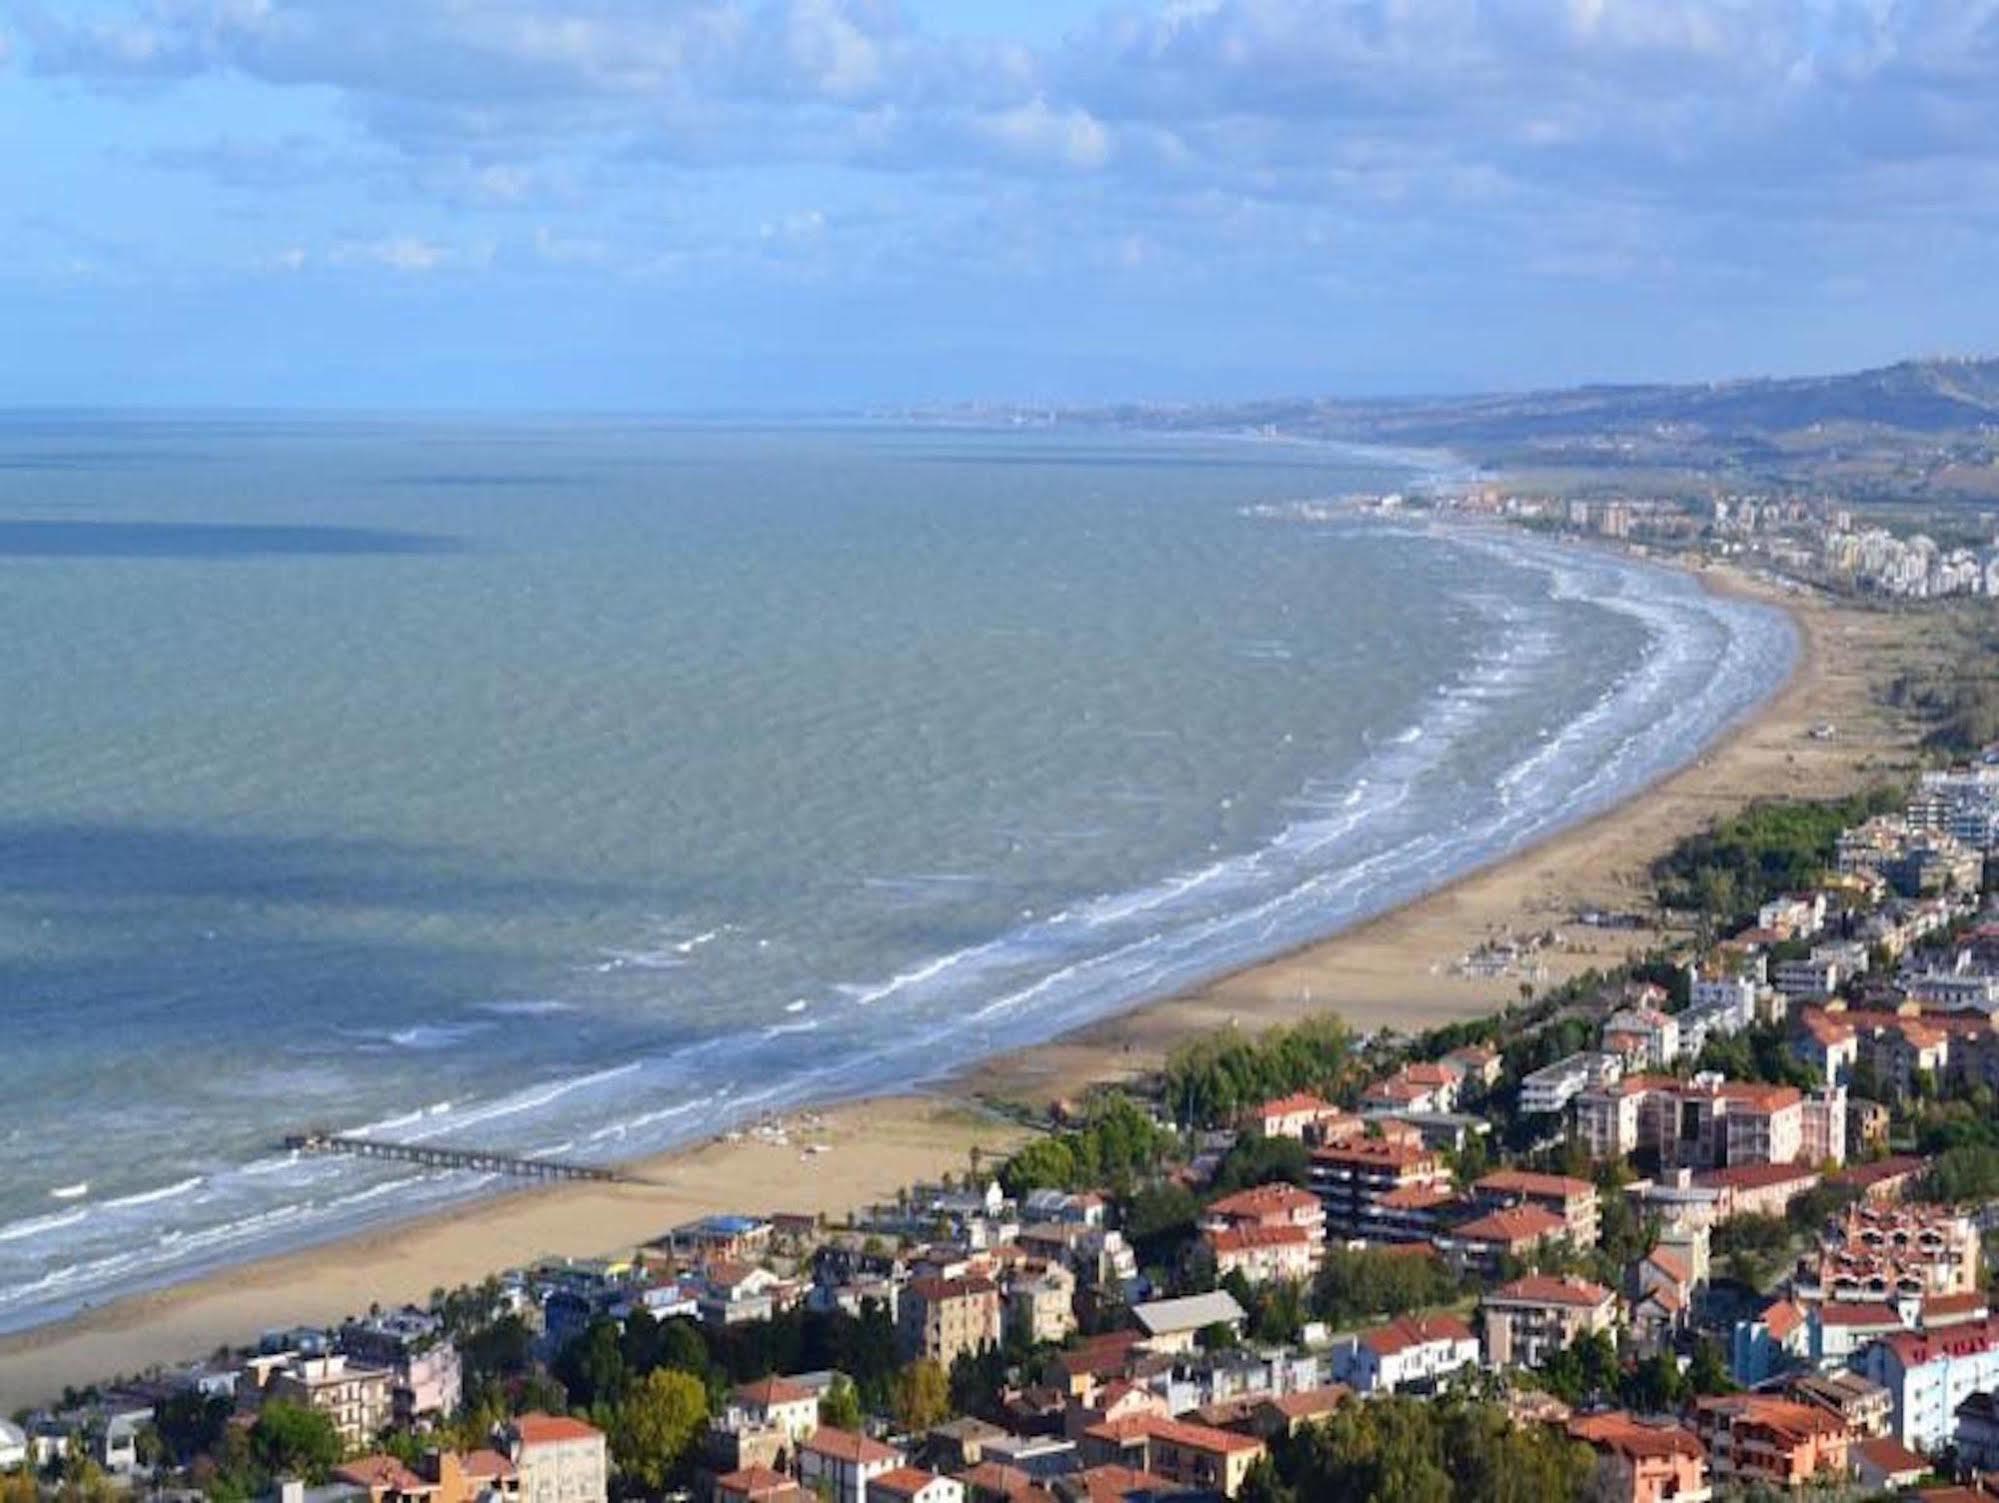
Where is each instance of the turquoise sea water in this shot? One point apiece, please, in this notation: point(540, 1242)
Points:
point(583, 787)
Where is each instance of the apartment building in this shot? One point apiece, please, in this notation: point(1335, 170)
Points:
point(944, 1319)
point(1529, 1320)
point(1574, 1200)
point(1351, 1177)
point(358, 1399)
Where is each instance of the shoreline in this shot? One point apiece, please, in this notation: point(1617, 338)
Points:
point(1392, 969)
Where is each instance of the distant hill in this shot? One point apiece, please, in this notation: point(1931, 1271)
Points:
point(1916, 428)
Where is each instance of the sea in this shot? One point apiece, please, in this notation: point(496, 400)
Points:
point(581, 788)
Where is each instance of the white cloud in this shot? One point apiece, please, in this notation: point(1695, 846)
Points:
point(405, 253)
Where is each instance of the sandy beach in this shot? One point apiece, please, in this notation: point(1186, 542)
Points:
point(1395, 971)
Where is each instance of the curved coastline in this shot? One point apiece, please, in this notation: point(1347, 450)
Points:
point(1093, 1047)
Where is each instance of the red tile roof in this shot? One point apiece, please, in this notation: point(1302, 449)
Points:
point(1890, 1457)
point(768, 1392)
point(848, 1446)
point(1635, 1439)
point(553, 1429)
point(1545, 1289)
point(1243, 1238)
point(384, 1472)
point(902, 1482)
point(1407, 1331)
point(1524, 1182)
point(1265, 1200)
point(1297, 1104)
point(1783, 1318)
point(1849, 1314)
point(1512, 1227)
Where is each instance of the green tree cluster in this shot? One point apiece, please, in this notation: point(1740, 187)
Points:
point(1211, 1082)
point(1117, 1146)
point(1358, 1284)
point(1407, 1450)
point(1726, 873)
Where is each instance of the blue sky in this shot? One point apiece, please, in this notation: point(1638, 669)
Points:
point(829, 203)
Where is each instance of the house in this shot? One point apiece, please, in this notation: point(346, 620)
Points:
point(944, 1319)
point(1269, 1206)
point(1288, 1413)
point(908, 1484)
point(426, 1378)
point(13, 1445)
point(734, 1239)
point(1643, 1038)
point(1930, 1374)
point(1977, 1432)
point(1484, 1242)
point(1185, 1455)
point(1041, 1303)
point(1753, 1438)
point(1413, 1351)
point(1171, 1325)
point(1652, 1461)
point(1662, 1296)
point(1883, 1464)
point(1529, 1320)
point(1756, 1189)
point(841, 1463)
point(1865, 1408)
point(1263, 1254)
point(1840, 1329)
point(1574, 1200)
point(1419, 1087)
point(439, 1477)
point(1300, 1115)
point(1478, 1067)
point(732, 1293)
point(356, 1398)
point(777, 1404)
point(559, 1459)
point(1550, 1090)
point(759, 1484)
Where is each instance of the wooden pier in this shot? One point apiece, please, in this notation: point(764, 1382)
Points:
point(476, 1159)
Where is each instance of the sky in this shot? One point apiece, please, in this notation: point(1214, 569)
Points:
point(831, 204)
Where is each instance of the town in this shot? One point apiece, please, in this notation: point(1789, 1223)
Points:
point(1710, 1224)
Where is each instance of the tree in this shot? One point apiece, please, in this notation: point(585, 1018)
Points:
point(1707, 1374)
point(291, 1439)
point(592, 1367)
point(191, 1424)
point(840, 1406)
point(920, 1395)
point(652, 1428)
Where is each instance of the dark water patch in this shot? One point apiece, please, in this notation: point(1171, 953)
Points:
point(1121, 459)
point(480, 479)
point(191, 540)
point(76, 866)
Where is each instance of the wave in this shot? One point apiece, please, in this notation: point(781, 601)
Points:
point(152, 1197)
point(35, 1226)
